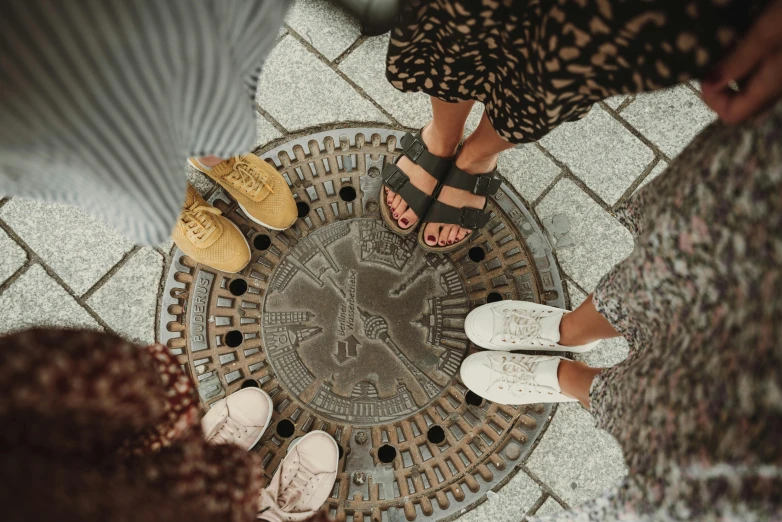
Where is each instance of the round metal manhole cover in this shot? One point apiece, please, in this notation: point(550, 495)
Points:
point(354, 330)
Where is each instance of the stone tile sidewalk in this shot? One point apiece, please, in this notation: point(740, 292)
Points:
point(61, 267)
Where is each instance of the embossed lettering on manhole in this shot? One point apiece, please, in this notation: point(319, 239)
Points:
point(355, 330)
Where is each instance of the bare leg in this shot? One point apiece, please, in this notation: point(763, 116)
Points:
point(585, 325)
point(478, 156)
point(575, 379)
point(441, 137)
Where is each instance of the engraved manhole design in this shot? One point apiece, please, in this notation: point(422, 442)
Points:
point(353, 330)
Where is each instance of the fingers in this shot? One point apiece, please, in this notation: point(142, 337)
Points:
point(764, 86)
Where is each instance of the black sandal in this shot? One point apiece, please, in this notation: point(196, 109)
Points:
point(470, 218)
point(419, 202)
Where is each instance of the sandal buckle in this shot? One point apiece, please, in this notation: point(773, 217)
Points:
point(469, 218)
point(414, 150)
point(482, 185)
point(396, 180)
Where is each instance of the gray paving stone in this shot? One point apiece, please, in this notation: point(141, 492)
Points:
point(200, 181)
point(127, 301)
point(670, 119)
point(79, 248)
point(328, 29)
point(577, 460)
point(609, 352)
point(265, 132)
point(510, 504)
point(588, 240)
point(549, 507)
point(656, 171)
point(12, 257)
point(600, 151)
point(615, 101)
point(300, 91)
point(366, 66)
point(528, 170)
point(35, 299)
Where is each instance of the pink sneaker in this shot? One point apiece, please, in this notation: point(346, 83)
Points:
point(241, 418)
point(304, 480)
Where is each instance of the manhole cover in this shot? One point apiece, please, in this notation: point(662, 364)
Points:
point(354, 330)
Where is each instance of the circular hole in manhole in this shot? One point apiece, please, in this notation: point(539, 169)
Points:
point(237, 287)
point(435, 435)
point(262, 242)
point(250, 383)
point(493, 297)
point(476, 254)
point(347, 193)
point(303, 208)
point(285, 428)
point(473, 399)
point(386, 453)
point(233, 338)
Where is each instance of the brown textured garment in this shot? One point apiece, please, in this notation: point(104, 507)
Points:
point(97, 429)
point(536, 63)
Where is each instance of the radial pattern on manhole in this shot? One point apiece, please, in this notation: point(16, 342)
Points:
point(354, 330)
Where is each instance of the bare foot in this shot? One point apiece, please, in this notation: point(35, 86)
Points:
point(437, 145)
point(443, 234)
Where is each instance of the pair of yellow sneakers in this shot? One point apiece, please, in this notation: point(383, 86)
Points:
point(211, 239)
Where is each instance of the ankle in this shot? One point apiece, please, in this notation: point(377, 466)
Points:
point(569, 334)
point(472, 161)
point(440, 143)
point(210, 161)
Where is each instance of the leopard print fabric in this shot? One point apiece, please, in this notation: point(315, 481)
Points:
point(537, 63)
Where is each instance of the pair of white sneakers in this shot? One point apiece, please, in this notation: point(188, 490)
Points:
point(305, 477)
point(511, 378)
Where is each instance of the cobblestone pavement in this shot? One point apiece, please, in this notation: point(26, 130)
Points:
point(61, 267)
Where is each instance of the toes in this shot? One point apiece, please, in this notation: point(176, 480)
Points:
point(389, 196)
point(462, 234)
point(444, 232)
point(394, 204)
point(452, 235)
point(407, 219)
point(431, 233)
point(400, 209)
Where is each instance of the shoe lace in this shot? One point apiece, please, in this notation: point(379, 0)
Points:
point(520, 326)
point(199, 223)
point(294, 490)
point(228, 432)
point(248, 179)
point(516, 375)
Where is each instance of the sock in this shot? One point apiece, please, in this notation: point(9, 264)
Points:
point(549, 327)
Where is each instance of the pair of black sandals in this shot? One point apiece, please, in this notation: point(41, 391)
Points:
point(426, 206)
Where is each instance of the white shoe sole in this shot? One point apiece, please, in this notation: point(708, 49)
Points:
point(268, 417)
point(470, 328)
point(201, 169)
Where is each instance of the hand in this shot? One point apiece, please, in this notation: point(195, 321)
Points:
point(755, 65)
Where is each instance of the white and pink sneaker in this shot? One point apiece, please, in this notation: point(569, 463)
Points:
point(304, 480)
point(241, 418)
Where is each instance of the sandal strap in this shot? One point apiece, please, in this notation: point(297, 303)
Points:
point(413, 147)
point(396, 180)
point(469, 218)
point(479, 184)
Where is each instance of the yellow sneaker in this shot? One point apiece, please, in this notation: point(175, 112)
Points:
point(260, 190)
point(209, 238)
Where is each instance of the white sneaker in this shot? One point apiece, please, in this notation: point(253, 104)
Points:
point(304, 480)
point(241, 418)
point(513, 378)
point(518, 325)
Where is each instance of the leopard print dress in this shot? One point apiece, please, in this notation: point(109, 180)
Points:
point(537, 63)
